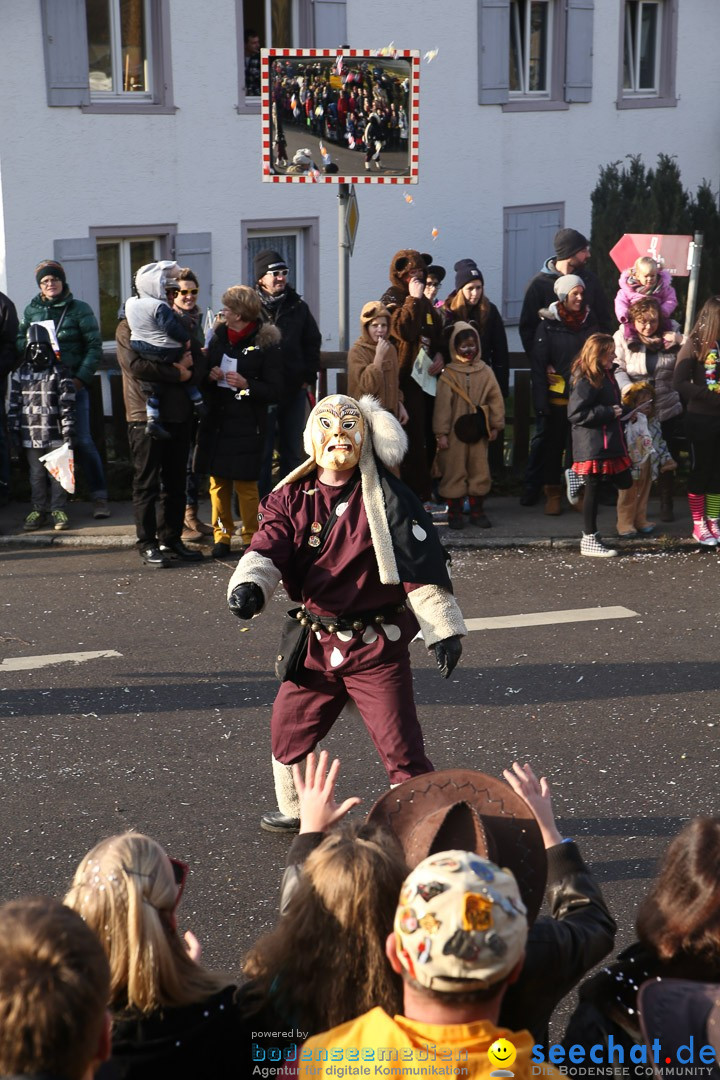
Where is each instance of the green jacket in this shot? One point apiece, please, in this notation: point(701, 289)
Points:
point(79, 334)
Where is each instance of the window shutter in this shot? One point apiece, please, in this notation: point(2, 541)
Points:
point(79, 258)
point(528, 243)
point(493, 51)
point(66, 52)
point(330, 24)
point(195, 250)
point(579, 50)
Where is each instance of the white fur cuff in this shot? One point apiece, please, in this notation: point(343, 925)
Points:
point(437, 612)
point(257, 569)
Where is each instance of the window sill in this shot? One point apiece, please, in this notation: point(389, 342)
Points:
point(535, 105)
point(640, 102)
point(249, 105)
point(127, 107)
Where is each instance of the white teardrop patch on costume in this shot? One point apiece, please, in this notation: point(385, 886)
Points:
point(369, 636)
point(336, 658)
point(318, 635)
point(345, 635)
point(392, 632)
point(418, 532)
point(341, 508)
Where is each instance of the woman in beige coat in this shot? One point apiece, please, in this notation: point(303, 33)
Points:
point(467, 385)
point(373, 361)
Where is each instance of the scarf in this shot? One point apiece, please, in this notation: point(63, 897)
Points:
point(572, 319)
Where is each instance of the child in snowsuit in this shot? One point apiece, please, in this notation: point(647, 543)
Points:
point(466, 387)
point(649, 455)
point(41, 415)
point(156, 333)
point(644, 278)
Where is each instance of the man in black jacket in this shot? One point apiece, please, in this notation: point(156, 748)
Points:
point(9, 359)
point(300, 347)
point(572, 252)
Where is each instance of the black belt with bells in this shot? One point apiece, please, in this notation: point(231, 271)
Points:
point(360, 621)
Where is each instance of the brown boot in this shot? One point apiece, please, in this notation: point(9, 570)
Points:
point(193, 528)
point(666, 484)
point(553, 495)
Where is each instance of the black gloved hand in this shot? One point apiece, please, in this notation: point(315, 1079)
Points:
point(246, 600)
point(447, 654)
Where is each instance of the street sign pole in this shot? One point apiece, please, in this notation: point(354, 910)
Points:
point(694, 264)
point(348, 218)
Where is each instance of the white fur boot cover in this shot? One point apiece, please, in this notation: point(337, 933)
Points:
point(285, 793)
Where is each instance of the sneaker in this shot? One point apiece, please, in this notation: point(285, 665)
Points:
point(101, 509)
point(649, 529)
point(630, 535)
point(592, 545)
point(60, 520)
point(220, 550)
point(703, 534)
point(573, 487)
point(713, 525)
point(35, 520)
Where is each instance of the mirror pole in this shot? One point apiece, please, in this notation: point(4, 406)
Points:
point(343, 269)
point(691, 304)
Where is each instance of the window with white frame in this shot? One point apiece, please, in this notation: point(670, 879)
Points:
point(119, 47)
point(535, 54)
point(530, 39)
point(643, 24)
point(648, 54)
point(118, 260)
point(108, 55)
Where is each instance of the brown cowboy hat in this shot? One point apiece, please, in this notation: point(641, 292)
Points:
point(460, 809)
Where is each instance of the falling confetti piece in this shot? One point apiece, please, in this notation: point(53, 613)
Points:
point(434, 233)
point(409, 199)
point(429, 56)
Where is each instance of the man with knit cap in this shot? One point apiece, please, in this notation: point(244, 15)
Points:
point(300, 347)
point(572, 252)
point(354, 547)
point(458, 943)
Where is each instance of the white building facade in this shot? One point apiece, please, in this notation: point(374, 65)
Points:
point(127, 134)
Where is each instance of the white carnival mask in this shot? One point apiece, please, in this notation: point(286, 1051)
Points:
point(337, 433)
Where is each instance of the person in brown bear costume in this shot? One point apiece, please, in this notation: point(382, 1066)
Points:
point(416, 323)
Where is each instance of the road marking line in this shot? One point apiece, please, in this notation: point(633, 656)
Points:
point(28, 663)
point(550, 618)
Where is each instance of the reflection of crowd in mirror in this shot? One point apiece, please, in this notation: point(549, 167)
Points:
point(341, 107)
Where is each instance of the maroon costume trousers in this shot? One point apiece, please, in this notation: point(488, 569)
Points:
point(303, 715)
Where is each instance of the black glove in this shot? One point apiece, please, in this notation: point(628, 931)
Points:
point(246, 600)
point(447, 654)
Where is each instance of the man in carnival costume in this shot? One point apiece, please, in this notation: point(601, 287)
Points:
point(355, 548)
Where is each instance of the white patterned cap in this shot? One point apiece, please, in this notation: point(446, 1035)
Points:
point(460, 920)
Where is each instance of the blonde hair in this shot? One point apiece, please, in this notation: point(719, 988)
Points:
point(243, 301)
point(125, 891)
point(645, 262)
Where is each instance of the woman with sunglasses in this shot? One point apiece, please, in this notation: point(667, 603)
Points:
point(171, 1016)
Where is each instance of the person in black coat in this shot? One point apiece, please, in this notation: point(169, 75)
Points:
point(244, 377)
point(599, 448)
point(9, 359)
point(564, 328)
point(301, 340)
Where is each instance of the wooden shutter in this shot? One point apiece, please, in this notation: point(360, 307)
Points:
point(528, 243)
point(579, 50)
point(79, 258)
point(493, 51)
point(330, 24)
point(64, 29)
point(195, 250)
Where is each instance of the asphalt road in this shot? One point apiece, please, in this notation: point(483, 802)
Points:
point(171, 736)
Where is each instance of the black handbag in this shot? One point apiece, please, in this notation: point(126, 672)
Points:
point(294, 638)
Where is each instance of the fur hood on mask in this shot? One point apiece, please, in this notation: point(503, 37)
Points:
point(384, 438)
point(405, 260)
point(151, 280)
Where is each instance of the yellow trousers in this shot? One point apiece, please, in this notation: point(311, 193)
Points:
point(221, 493)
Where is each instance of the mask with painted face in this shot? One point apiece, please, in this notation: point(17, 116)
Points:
point(338, 433)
